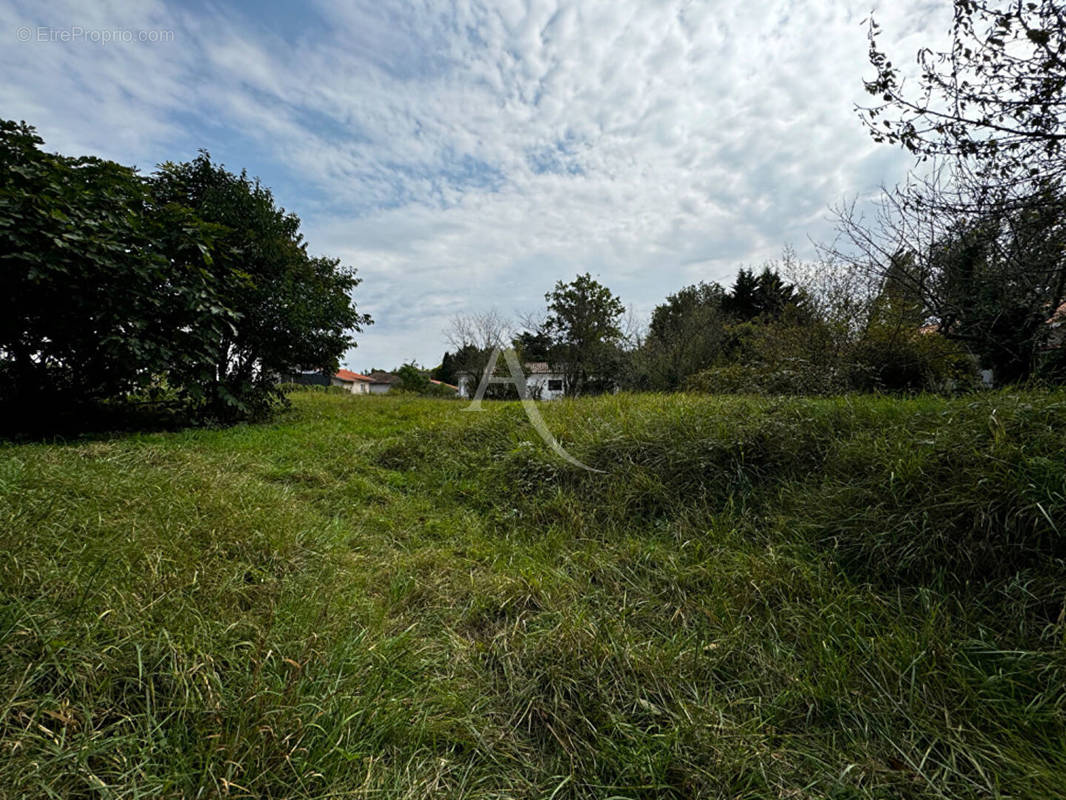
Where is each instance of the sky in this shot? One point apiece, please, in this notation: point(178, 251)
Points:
point(464, 155)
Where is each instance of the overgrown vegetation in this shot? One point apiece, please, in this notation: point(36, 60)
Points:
point(383, 596)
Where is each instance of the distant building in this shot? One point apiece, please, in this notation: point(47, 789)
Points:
point(307, 378)
point(542, 381)
point(352, 381)
point(377, 382)
point(381, 382)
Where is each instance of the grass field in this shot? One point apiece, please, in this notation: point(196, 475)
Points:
point(386, 597)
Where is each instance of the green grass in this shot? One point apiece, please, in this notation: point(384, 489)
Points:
point(387, 597)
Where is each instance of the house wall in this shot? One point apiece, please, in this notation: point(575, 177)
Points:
point(379, 388)
point(537, 383)
point(543, 382)
point(355, 387)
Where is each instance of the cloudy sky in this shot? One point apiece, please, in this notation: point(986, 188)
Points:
point(467, 155)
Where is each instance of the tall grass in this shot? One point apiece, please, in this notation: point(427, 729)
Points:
point(386, 597)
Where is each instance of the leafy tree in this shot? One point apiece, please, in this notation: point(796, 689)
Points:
point(999, 280)
point(742, 301)
point(994, 95)
point(293, 311)
point(446, 371)
point(764, 295)
point(773, 295)
point(988, 279)
point(901, 298)
point(584, 320)
point(412, 378)
point(103, 291)
point(189, 284)
point(685, 335)
point(536, 345)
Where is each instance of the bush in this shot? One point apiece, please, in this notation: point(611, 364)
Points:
point(900, 361)
point(795, 378)
point(102, 291)
point(894, 360)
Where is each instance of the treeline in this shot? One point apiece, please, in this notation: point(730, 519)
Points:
point(186, 291)
point(777, 335)
point(788, 328)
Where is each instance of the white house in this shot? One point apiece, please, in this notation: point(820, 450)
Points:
point(542, 382)
point(352, 381)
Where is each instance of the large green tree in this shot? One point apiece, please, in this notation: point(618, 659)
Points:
point(584, 322)
point(103, 290)
point(686, 334)
point(293, 311)
point(989, 278)
point(997, 279)
point(764, 295)
point(189, 284)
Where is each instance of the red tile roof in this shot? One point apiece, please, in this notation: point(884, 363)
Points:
point(348, 375)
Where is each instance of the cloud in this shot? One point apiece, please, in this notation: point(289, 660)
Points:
point(466, 155)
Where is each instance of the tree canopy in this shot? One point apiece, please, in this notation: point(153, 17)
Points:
point(189, 284)
point(978, 238)
point(584, 322)
point(294, 311)
point(994, 95)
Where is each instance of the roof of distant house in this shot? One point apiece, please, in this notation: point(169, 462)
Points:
point(348, 375)
point(377, 376)
point(530, 368)
point(442, 383)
